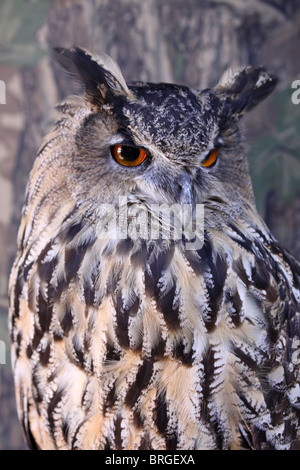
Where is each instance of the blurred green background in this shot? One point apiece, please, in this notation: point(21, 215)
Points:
point(190, 42)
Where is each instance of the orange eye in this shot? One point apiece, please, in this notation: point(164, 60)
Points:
point(211, 158)
point(128, 155)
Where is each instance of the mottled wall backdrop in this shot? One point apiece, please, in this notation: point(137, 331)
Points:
point(187, 41)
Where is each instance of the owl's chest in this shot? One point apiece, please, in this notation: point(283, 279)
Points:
point(176, 303)
point(172, 347)
point(151, 348)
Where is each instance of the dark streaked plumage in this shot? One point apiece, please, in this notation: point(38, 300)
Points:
point(139, 343)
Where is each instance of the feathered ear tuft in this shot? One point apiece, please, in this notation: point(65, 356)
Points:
point(244, 88)
point(100, 75)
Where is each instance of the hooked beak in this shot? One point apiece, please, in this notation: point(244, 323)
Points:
point(186, 194)
point(193, 223)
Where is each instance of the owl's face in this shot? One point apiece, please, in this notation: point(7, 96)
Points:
point(161, 143)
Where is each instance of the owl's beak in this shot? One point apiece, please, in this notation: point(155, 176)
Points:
point(186, 190)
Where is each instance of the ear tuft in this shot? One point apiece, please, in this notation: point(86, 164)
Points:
point(100, 75)
point(244, 88)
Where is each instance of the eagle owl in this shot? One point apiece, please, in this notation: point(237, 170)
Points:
point(125, 336)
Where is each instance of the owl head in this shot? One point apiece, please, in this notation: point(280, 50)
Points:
point(159, 143)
